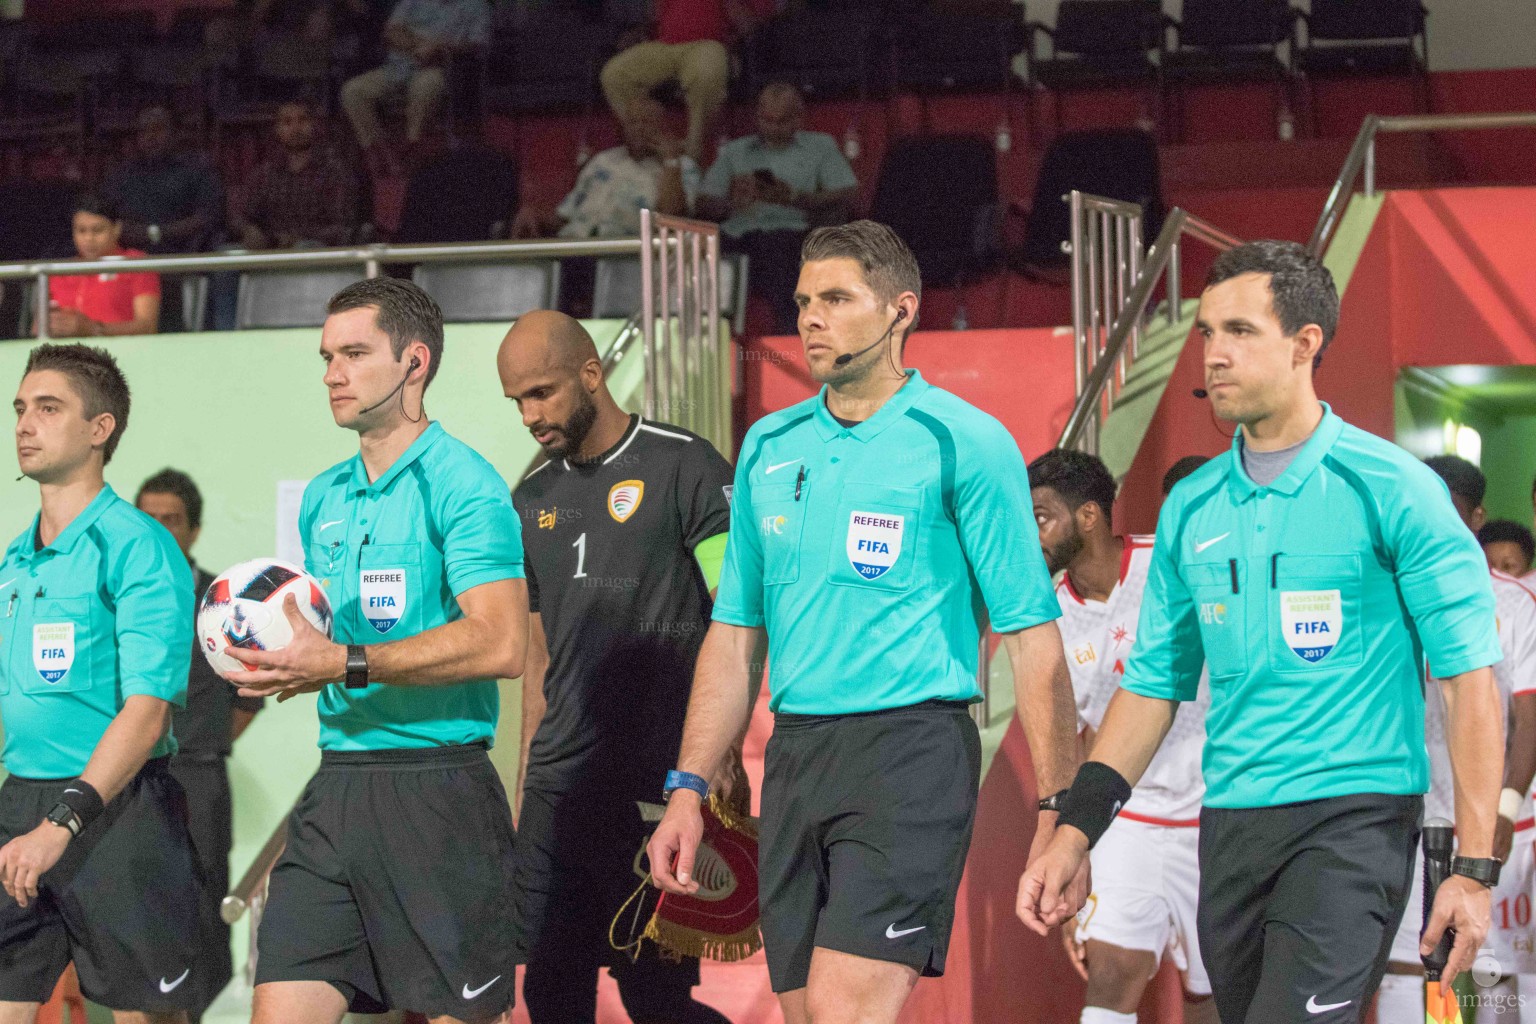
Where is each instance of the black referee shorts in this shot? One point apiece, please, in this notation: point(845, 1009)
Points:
point(121, 903)
point(1299, 904)
point(395, 887)
point(866, 824)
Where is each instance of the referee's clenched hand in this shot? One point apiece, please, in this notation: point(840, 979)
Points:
point(27, 858)
point(1467, 906)
point(1056, 883)
point(675, 843)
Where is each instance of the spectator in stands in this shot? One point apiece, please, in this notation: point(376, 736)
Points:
point(767, 190)
point(170, 201)
point(422, 38)
point(689, 49)
point(1509, 547)
point(95, 305)
point(463, 190)
point(649, 171)
point(304, 194)
point(1181, 469)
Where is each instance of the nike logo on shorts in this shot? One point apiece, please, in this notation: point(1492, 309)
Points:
point(891, 931)
point(780, 465)
point(333, 522)
point(1314, 1008)
point(1202, 545)
point(471, 993)
point(170, 986)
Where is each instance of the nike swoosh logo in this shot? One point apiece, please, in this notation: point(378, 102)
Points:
point(892, 933)
point(82, 793)
point(1202, 545)
point(333, 522)
point(170, 986)
point(780, 465)
point(1314, 1008)
point(470, 993)
point(8, 582)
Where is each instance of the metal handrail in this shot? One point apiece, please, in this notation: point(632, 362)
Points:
point(1163, 256)
point(1361, 161)
point(373, 257)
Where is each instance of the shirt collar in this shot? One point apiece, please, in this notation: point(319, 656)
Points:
point(418, 448)
point(71, 533)
point(1301, 466)
point(894, 408)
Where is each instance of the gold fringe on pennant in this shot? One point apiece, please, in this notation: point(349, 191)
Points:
point(732, 817)
point(725, 948)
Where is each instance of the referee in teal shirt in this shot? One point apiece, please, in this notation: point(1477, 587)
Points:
point(95, 639)
point(1313, 569)
point(394, 891)
point(874, 528)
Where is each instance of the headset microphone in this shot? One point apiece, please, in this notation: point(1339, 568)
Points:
point(848, 357)
point(398, 387)
point(1201, 393)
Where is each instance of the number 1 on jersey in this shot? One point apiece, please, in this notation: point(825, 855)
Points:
point(580, 544)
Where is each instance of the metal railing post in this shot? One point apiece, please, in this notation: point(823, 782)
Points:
point(1175, 284)
point(40, 307)
point(1369, 172)
point(648, 248)
point(1079, 314)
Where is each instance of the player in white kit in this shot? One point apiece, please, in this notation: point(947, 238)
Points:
point(1511, 942)
point(1146, 875)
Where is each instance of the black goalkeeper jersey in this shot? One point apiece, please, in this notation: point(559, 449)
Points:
point(609, 558)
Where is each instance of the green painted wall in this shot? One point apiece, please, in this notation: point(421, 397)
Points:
point(241, 412)
point(1508, 452)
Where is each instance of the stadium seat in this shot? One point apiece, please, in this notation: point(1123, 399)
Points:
point(481, 292)
point(547, 61)
point(616, 288)
point(276, 69)
point(939, 52)
point(289, 298)
point(1096, 44)
point(1364, 37)
point(835, 52)
point(1224, 41)
point(1114, 164)
point(953, 231)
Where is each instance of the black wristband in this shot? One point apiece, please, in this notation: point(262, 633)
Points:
point(1096, 796)
point(82, 798)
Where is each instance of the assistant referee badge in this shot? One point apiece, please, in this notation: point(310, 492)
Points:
point(624, 498)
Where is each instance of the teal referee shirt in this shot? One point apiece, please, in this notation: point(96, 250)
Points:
point(1314, 601)
point(393, 556)
point(874, 553)
point(102, 614)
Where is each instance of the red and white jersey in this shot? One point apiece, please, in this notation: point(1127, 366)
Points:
point(1515, 607)
point(1098, 636)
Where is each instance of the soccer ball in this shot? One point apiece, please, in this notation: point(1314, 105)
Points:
point(244, 608)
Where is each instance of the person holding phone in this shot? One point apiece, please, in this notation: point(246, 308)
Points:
point(98, 305)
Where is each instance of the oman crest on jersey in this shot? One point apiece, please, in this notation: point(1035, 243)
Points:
point(624, 498)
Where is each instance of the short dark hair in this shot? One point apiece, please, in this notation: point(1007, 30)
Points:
point(888, 264)
point(1301, 289)
point(177, 483)
point(96, 378)
point(1495, 530)
point(1181, 469)
point(1464, 479)
point(1077, 476)
point(98, 204)
point(404, 312)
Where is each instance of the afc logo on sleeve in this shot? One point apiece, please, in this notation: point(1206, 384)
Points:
point(53, 649)
point(874, 542)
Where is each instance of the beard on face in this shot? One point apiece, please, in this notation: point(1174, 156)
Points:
point(1059, 556)
point(574, 430)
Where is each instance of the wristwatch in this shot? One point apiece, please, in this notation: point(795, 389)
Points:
point(1054, 801)
point(1483, 870)
point(64, 816)
point(357, 666)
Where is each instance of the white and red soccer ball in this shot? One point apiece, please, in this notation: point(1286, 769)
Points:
point(243, 608)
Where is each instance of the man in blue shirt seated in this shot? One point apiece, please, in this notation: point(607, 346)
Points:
point(767, 190)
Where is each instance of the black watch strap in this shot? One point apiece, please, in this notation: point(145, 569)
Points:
point(65, 816)
point(1054, 801)
point(1480, 869)
point(357, 666)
